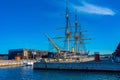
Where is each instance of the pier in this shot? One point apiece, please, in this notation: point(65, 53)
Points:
point(5, 63)
point(88, 66)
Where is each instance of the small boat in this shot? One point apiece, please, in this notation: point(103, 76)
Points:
point(28, 63)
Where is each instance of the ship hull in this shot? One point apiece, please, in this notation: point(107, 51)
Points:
point(94, 66)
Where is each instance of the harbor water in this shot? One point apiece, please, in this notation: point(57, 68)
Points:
point(27, 73)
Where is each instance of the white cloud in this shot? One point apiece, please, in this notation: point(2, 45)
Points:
point(93, 9)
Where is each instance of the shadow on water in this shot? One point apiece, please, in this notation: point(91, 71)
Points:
point(27, 73)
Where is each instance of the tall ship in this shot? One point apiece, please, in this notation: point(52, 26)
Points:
point(74, 56)
point(74, 42)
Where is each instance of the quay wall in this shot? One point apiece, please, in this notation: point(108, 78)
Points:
point(5, 63)
point(78, 66)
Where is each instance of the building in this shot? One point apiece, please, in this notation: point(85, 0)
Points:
point(26, 53)
point(3, 56)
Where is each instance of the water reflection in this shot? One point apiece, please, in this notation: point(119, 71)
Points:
point(27, 73)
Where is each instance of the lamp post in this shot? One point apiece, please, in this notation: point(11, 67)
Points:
point(34, 53)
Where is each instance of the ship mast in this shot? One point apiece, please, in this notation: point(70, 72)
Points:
point(82, 41)
point(79, 37)
point(76, 35)
point(67, 32)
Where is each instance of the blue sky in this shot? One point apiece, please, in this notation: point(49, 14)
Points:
point(23, 22)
